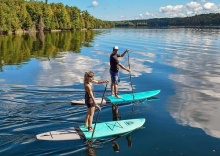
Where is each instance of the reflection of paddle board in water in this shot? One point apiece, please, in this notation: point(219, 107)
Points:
point(124, 98)
point(103, 129)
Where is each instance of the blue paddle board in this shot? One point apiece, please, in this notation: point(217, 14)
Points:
point(104, 129)
point(132, 97)
point(124, 98)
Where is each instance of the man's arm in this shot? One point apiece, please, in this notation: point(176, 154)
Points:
point(123, 54)
point(123, 67)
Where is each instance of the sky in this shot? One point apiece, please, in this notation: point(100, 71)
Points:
point(116, 10)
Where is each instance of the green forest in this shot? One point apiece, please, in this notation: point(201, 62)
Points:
point(32, 15)
point(35, 15)
point(210, 20)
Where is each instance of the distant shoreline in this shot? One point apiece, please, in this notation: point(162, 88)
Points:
point(201, 27)
point(19, 32)
point(171, 27)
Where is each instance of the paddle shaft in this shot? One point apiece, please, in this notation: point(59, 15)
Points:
point(131, 83)
point(130, 76)
point(99, 110)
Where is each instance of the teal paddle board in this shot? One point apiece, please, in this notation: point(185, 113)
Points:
point(104, 129)
point(124, 98)
point(130, 97)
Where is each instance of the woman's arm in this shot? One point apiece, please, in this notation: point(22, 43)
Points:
point(100, 81)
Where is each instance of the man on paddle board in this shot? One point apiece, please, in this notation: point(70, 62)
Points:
point(89, 98)
point(114, 69)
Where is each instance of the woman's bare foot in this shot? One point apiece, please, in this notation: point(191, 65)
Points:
point(117, 96)
point(90, 129)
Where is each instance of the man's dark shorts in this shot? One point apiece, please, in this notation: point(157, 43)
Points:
point(114, 77)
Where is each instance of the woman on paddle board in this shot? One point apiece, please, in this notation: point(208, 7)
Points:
point(89, 98)
point(114, 69)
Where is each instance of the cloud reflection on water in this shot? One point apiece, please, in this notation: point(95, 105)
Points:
point(197, 99)
point(69, 69)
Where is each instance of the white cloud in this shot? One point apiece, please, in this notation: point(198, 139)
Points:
point(166, 9)
point(194, 6)
point(95, 3)
point(210, 6)
point(149, 15)
point(188, 9)
point(203, 1)
point(178, 8)
point(171, 9)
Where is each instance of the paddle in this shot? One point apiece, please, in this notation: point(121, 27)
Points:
point(130, 76)
point(99, 110)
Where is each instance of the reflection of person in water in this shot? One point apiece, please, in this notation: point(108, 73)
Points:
point(116, 116)
point(115, 113)
point(115, 146)
point(128, 138)
point(90, 151)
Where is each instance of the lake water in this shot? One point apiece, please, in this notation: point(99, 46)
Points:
point(41, 74)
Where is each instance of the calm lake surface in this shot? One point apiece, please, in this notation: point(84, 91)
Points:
point(41, 74)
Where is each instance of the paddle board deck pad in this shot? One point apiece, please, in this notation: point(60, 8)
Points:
point(124, 98)
point(102, 130)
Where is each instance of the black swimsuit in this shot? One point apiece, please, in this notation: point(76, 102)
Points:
point(88, 100)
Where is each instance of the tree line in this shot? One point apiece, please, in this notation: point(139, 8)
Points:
point(26, 15)
point(35, 15)
point(212, 19)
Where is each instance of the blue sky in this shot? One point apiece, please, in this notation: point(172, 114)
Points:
point(115, 10)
